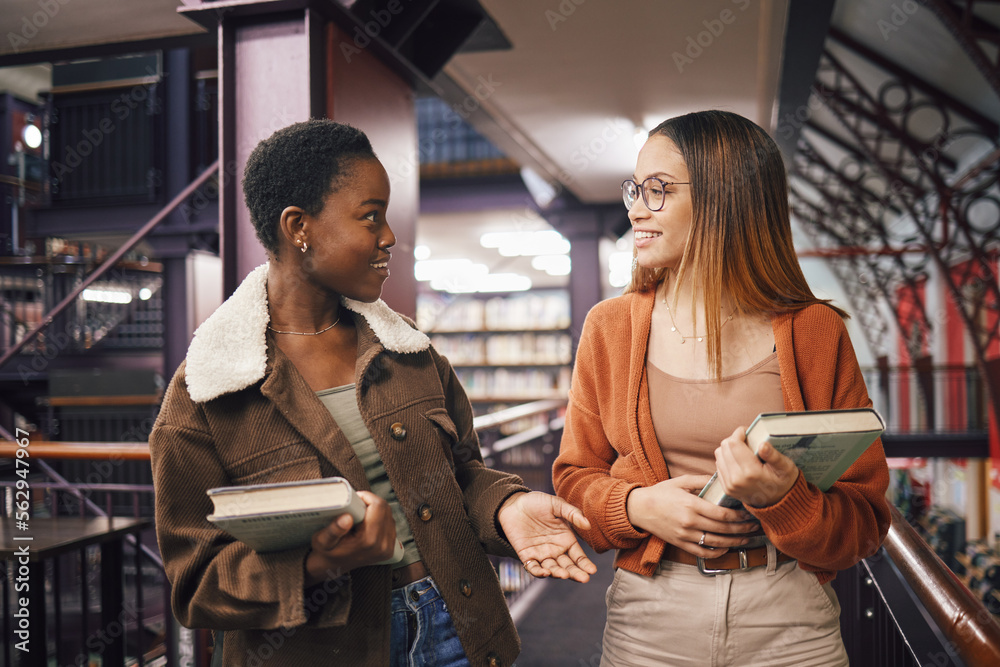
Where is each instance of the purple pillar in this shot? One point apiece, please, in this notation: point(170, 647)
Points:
point(368, 95)
point(281, 67)
point(583, 229)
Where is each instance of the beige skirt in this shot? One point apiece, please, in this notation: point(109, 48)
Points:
point(768, 616)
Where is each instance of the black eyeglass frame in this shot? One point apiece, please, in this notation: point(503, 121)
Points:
point(640, 187)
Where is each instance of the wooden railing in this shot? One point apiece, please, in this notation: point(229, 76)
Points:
point(115, 451)
point(960, 616)
point(903, 607)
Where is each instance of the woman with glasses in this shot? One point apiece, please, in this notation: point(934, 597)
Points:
point(716, 326)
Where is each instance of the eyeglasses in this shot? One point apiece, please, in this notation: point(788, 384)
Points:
point(653, 192)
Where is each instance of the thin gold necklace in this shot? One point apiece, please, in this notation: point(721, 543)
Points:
point(306, 333)
point(674, 328)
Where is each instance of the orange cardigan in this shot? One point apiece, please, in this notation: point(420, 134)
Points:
point(609, 446)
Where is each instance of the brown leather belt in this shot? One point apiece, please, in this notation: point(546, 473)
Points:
point(734, 559)
point(407, 574)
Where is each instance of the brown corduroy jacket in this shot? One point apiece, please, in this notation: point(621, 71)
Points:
point(609, 447)
point(238, 412)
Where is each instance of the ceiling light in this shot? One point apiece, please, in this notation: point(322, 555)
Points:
point(456, 284)
point(620, 268)
point(32, 136)
point(518, 244)
point(504, 282)
point(421, 252)
point(554, 265)
point(493, 239)
point(106, 296)
point(640, 136)
point(145, 293)
point(492, 282)
point(429, 269)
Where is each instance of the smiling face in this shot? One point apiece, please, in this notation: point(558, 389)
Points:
point(349, 239)
point(661, 236)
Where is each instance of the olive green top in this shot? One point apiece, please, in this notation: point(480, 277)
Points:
point(343, 406)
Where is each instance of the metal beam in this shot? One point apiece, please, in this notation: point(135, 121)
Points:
point(198, 40)
point(807, 26)
point(861, 103)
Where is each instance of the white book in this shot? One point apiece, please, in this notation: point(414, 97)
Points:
point(274, 517)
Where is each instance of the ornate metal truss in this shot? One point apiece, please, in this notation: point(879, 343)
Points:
point(846, 217)
point(917, 182)
point(971, 33)
point(863, 293)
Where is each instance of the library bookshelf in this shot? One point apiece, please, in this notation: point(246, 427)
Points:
point(506, 349)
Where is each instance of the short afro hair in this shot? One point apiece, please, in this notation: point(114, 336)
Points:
point(298, 166)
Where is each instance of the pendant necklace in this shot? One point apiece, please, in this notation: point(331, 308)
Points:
point(673, 324)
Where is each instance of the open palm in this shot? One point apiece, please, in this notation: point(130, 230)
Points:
point(540, 528)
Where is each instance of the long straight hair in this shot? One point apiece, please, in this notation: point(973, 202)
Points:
point(740, 239)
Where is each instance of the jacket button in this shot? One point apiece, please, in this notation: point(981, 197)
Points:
point(398, 431)
point(465, 587)
point(424, 511)
point(493, 660)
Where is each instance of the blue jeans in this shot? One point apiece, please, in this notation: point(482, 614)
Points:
point(423, 634)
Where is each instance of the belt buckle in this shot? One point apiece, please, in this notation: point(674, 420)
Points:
point(711, 572)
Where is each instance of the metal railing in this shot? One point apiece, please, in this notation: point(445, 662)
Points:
point(522, 440)
point(939, 397)
point(531, 449)
point(122, 311)
point(77, 579)
point(932, 410)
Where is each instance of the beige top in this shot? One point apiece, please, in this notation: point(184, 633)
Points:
point(691, 417)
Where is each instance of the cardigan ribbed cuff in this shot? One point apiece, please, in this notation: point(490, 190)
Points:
point(616, 514)
point(796, 510)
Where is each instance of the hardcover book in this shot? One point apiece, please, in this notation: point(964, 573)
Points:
point(822, 443)
point(274, 517)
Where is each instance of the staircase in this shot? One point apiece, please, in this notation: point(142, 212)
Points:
point(115, 327)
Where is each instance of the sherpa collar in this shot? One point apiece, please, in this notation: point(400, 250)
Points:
point(229, 350)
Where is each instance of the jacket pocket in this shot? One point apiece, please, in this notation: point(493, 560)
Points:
point(285, 463)
point(446, 430)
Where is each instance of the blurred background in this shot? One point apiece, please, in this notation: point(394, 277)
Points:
point(506, 127)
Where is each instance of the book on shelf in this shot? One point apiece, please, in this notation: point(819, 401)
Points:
point(822, 443)
point(274, 517)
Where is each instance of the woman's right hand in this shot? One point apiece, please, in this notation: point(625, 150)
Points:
point(672, 511)
point(343, 545)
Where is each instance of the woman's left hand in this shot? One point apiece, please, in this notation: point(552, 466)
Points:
point(540, 528)
point(758, 480)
